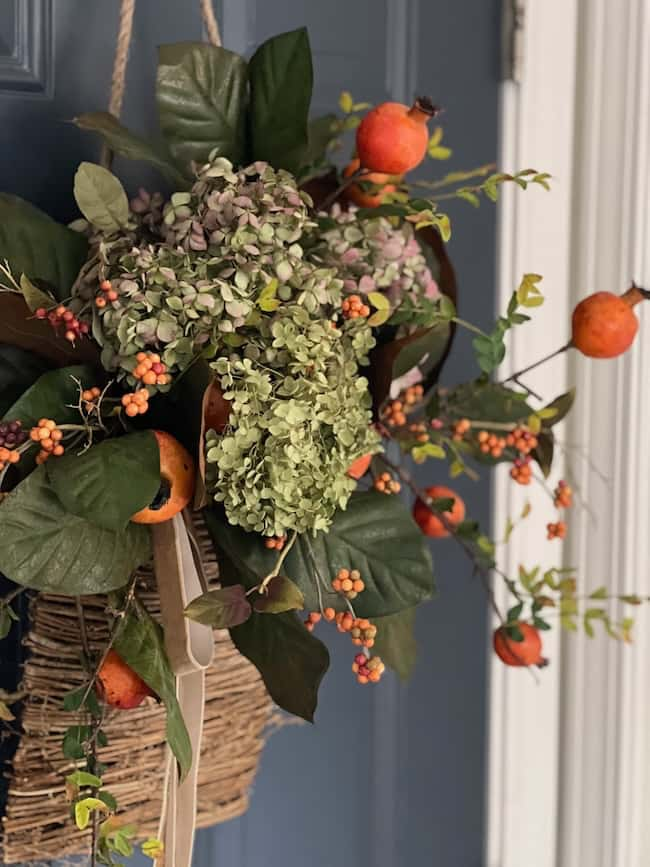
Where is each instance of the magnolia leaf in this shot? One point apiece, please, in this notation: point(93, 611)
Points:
point(281, 81)
point(126, 144)
point(111, 481)
point(45, 547)
point(395, 642)
point(560, 408)
point(292, 662)
point(201, 95)
point(54, 395)
point(18, 370)
point(139, 641)
point(279, 595)
point(39, 247)
point(375, 534)
point(34, 297)
point(543, 454)
point(101, 197)
point(222, 608)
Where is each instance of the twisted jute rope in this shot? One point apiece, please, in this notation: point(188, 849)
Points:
point(122, 45)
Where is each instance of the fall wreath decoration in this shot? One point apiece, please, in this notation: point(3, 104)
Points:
point(246, 345)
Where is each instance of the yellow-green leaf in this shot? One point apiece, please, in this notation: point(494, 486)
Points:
point(346, 103)
point(428, 450)
point(436, 137)
point(153, 848)
point(83, 810)
point(267, 301)
point(534, 423)
point(34, 297)
point(5, 713)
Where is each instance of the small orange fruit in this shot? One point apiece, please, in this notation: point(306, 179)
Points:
point(519, 653)
point(392, 138)
point(359, 467)
point(120, 686)
point(363, 198)
point(430, 524)
point(604, 324)
point(176, 482)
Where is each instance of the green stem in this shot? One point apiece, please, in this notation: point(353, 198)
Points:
point(276, 569)
point(469, 326)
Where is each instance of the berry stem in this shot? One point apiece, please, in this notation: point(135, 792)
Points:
point(327, 203)
point(276, 569)
point(516, 376)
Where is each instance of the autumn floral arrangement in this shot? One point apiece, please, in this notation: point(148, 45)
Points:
point(250, 343)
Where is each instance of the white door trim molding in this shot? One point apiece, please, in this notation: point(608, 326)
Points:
point(537, 116)
point(569, 761)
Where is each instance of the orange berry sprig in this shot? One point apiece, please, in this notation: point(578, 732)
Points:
point(368, 669)
point(61, 317)
point(150, 369)
point(48, 436)
point(109, 294)
point(363, 632)
point(136, 402)
point(275, 542)
point(312, 619)
point(563, 495)
point(522, 471)
point(556, 530)
point(12, 437)
point(490, 444)
point(348, 583)
point(89, 397)
point(460, 428)
point(8, 456)
point(523, 440)
point(386, 484)
point(354, 308)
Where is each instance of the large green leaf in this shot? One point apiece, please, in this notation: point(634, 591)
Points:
point(140, 643)
point(39, 247)
point(281, 80)
point(291, 661)
point(110, 482)
point(55, 395)
point(221, 608)
point(375, 535)
point(126, 144)
point(562, 406)
point(482, 400)
point(46, 548)
point(101, 197)
point(18, 370)
point(202, 95)
point(395, 642)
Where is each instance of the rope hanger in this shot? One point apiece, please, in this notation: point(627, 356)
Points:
point(122, 45)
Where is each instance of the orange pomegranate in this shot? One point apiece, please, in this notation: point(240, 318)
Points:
point(519, 653)
point(363, 198)
point(176, 482)
point(120, 686)
point(359, 467)
point(604, 324)
point(392, 138)
point(430, 524)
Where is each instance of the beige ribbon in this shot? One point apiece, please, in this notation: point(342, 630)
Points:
point(190, 648)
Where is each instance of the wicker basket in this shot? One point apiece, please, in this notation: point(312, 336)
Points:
point(37, 825)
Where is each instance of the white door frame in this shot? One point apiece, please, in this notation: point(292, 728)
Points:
point(569, 758)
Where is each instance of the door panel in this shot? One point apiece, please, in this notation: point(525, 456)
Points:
point(388, 776)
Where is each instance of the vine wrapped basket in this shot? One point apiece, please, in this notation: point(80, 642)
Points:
point(37, 824)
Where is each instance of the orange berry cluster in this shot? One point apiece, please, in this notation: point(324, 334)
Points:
point(354, 308)
point(523, 440)
point(419, 431)
point(312, 619)
point(460, 428)
point(109, 294)
point(89, 397)
point(348, 583)
point(150, 369)
point(363, 632)
point(412, 395)
point(136, 402)
point(522, 471)
point(276, 543)
point(8, 456)
point(62, 317)
point(48, 436)
point(394, 415)
point(556, 530)
point(386, 484)
point(563, 495)
point(490, 444)
point(368, 669)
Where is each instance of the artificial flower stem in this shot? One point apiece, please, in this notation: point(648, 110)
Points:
point(276, 569)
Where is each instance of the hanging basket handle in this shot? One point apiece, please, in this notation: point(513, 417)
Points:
point(122, 45)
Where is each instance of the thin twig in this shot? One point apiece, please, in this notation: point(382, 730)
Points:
point(327, 203)
point(515, 377)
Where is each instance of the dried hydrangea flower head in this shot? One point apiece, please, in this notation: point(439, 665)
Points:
point(375, 256)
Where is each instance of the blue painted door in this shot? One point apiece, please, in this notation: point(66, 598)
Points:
point(389, 776)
